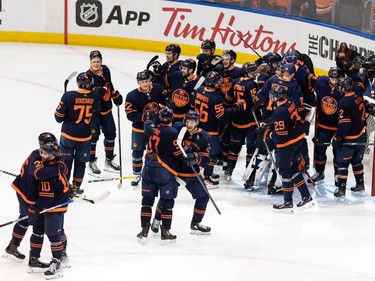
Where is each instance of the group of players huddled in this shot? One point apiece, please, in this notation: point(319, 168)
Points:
point(190, 115)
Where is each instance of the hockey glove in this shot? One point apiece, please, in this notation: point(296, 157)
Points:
point(149, 128)
point(337, 141)
point(156, 67)
point(117, 98)
point(101, 90)
point(202, 58)
point(201, 142)
point(191, 159)
point(33, 214)
point(237, 107)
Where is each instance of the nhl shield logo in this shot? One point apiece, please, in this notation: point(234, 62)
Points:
point(89, 13)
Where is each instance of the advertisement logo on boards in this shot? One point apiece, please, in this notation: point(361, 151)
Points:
point(89, 13)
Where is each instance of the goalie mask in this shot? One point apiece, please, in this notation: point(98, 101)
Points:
point(278, 93)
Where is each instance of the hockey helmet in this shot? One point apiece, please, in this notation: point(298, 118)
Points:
point(84, 80)
point(192, 115)
point(345, 84)
point(272, 58)
point(208, 44)
point(212, 78)
point(95, 54)
point(334, 72)
point(51, 148)
point(166, 115)
point(45, 138)
point(174, 48)
point(232, 54)
point(143, 75)
point(278, 92)
point(190, 64)
point(248, 67)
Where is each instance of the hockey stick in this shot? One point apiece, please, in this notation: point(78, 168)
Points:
point(74, 73)
point(96, 200)
point(119, 145)
point(111, 179)
point(151, 61)
point(304, 170)
point(42, 212)
point(8, 173)
point(345, 143)
point(239, 36)
point(179, 143)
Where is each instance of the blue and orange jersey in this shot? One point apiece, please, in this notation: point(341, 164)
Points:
point(229, 75)
point(305, 80)
point(244, 91)
point(209, 104)
point(164, 143)
point(103, 79)
point(263, 98)
point(52, 192)
point(181, 91)
point(137, 104)
point(75, 112)
point(188, 141)
point(327, 103)
point(294, 94)
point(351, 116)
point(34, 170)
point(288, 125)
point(167, 70)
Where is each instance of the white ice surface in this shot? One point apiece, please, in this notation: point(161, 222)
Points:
point(330, 242)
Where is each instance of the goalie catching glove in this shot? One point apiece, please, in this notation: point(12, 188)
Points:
point(191, 159)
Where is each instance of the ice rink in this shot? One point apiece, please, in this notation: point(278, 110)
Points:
point(330, 242)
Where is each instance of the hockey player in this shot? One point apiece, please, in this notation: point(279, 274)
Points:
point(140, 104)
point(209, 104)
point(75, 112)
point(172, 64)
point(287, 138)
point(243, 124)
point(207, 60)
point(103, 120)
point(351, 129)
point(26, 187)
point(52, 191)
point(182, 85)
point(328, 95)
point(196, 144)
point(229, 72)
point(158, 176)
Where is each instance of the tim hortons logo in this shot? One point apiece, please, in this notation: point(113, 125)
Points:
point(180, 25)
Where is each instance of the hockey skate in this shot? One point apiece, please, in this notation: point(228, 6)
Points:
point(228, 173)
point(340, 193)
point(93, 168)
point(318, 178)
point(111, 166)
point(249, 184)
point(54, 270)
point(65, 260)
point(12, 253)
point(215, 176)
point(286, 207)
point(136, 180)
point(211, 183)
point(199, 229)
point(166, 236)
point(359, 188)
point(36, 265)
point(306, 203)
point(155, 226)
point(142, 236)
